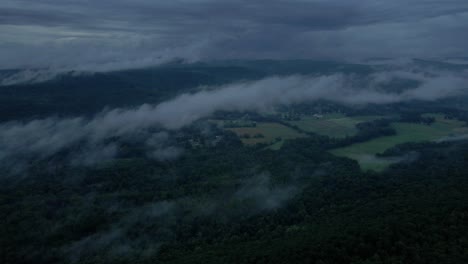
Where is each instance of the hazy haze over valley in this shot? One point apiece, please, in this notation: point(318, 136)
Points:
point(233, 131)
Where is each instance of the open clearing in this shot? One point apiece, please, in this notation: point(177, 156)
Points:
point(365, 152)
point(271, 133)
point(332, 125)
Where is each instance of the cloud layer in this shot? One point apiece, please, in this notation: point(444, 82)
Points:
point(41, 139)
point(115, 34)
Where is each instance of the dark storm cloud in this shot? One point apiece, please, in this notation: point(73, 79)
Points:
point(206, 29)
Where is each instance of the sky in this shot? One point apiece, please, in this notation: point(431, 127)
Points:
point(118, 34)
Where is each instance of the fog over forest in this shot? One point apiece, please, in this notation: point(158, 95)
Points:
point(233, 131)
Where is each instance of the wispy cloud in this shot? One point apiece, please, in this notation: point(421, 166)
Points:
point(254, 195)
point(40, 139)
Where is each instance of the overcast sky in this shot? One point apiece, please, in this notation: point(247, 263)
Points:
point(112, 34)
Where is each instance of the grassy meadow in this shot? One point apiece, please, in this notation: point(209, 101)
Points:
point(333, 125)
point(271, 133)
point(365, 152)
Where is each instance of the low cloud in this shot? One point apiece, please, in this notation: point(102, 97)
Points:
point(115, 242)
point(28, 76)
point(82, 141)
point(271, 92)
point(453, 138)
point(40, 139)
point(158, 148)
point(258, 191)
point(141, 231)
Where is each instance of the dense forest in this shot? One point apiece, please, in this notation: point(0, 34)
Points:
point(241, 205)
point(200, 194)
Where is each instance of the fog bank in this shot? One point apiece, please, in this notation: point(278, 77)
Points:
point(39, 139)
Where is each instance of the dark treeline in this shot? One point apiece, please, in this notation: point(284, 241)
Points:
point(89, 93)
point(84, 94)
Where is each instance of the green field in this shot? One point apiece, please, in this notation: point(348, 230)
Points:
point(365, 152)
point(332, 125)
point(270, 131)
